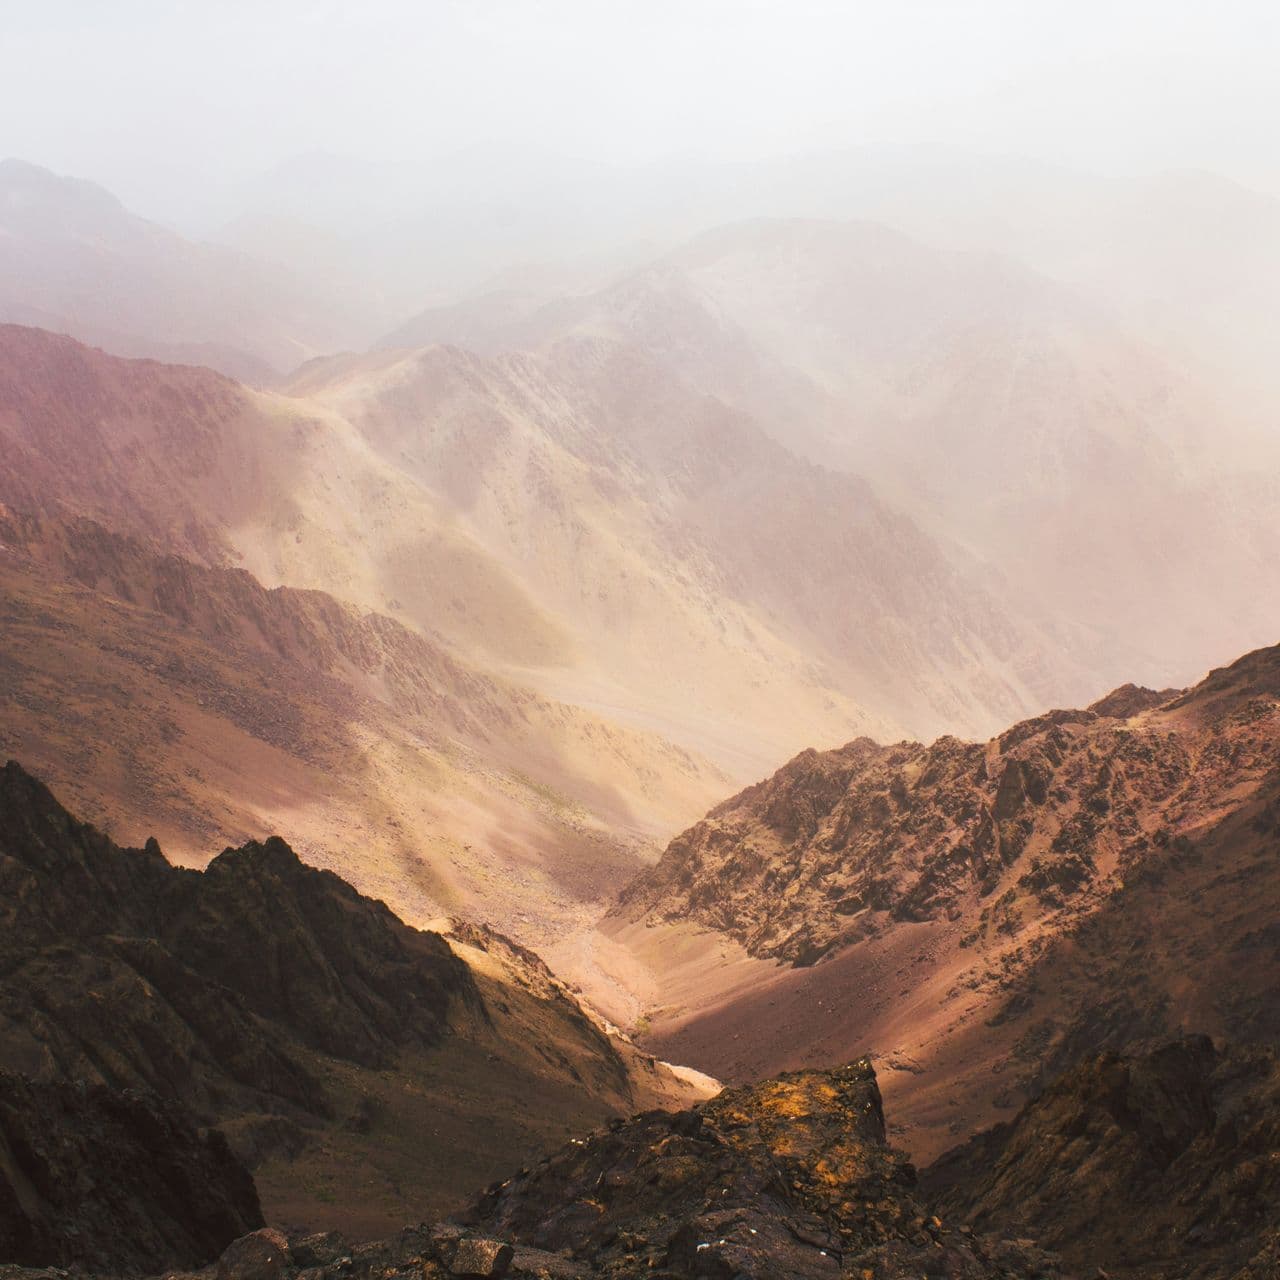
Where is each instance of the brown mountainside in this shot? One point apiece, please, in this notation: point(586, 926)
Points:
point(315, 1028)
point(567, 600)
point(982, 915)
point(461, 791)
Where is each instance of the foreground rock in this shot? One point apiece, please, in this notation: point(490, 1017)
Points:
point(1164, 1165)
point(789, 1180)
point(113, 1181)
point(791, 1177)
point(315, 1029)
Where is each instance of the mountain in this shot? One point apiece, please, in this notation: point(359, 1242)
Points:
point(318, 1031)
point(713, 581)
point(597, 529)
point(1162, 1164)
point(425, 778)
point(977, 915)
point(73, 259)
point(1008, 413)
point(426, 782)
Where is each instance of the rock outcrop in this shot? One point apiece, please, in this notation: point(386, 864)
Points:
point(789, 1177)
point(204, 986)
point(1049, 816)
point(316, 1030)
point(982, 917)
point(113, 1181)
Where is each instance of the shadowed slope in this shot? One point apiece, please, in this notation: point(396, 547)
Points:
point(983, 916)
point(113, 1182)
point(306, 1020)
point(1162, 1165)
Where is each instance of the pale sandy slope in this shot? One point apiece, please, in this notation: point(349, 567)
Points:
point(698, 577)
point(1042, 429)
point(636, 595)
point(170, 693)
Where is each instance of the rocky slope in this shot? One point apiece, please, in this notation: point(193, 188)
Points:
point(273, 999)
point(560, 517)
point(982, 915)
point(1046, 817)
point(596, 595)
point(113, 1181)
point(1158, 1165)
point(789, 1178)
point(420, 778)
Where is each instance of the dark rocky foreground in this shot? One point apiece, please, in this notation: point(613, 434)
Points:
point(1165, 1164)
point(138, 1002)
point(113, 1180)
point(306, 1022)
point(790, 1178)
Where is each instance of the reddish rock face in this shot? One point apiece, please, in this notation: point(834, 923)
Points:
point(1051, 815)
point(994, 911)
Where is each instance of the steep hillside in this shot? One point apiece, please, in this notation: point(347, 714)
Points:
point(74, 260)
point(1009, 414)
point(604, 532)
point(422, 780)
point(320, 1032)
point(981, 915)
point(727, 586)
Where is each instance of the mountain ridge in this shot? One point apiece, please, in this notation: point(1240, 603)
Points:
point(978, 917)
point(305, 1020)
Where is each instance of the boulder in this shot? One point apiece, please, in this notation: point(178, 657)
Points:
point(477, 1256)
point(261, 1255)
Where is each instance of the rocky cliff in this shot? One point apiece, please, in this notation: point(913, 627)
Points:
point(307, 1021)
point(982, 916)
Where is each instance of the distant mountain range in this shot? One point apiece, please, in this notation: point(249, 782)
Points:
point(74, 260)
point(481, 526)
point(578, 600)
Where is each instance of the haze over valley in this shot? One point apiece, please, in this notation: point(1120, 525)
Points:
point(709, 574)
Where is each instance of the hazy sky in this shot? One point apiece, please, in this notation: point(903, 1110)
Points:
point(141, 94)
